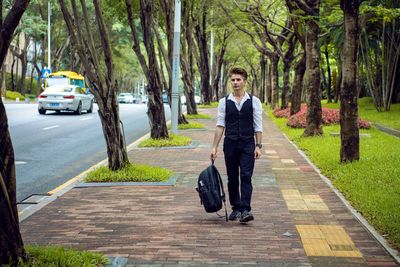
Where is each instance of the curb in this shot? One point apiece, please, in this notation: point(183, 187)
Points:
point(381, 240)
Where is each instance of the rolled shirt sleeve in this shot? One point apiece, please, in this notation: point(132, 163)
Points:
point(257, 115)
point(221, 113)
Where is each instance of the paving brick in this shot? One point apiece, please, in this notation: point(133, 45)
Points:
point(166, 226)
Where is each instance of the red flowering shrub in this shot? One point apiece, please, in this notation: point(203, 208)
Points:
point(282, 113)
point(329, 116)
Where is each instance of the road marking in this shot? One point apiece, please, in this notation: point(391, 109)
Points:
point(85, 119)
point(51, 127)
point(20, 162)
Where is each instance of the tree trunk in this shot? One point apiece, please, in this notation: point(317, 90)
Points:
point(3, 80)
point(300, 69)
point(263, 81)
point(274, 82)
point(314, 110)
point(349, 131)
point(11, 244)
point(204, 69)
point(268, 85)
point(338, 83)
point(329, 82)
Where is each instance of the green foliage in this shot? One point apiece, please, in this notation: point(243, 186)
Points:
point(14, 95)
point(191, 125)
point(380, 13)
point(372, 184)
point(368, 112)
point(130, 173)
point(173, 140)
point(197, 116)
point(59, 256)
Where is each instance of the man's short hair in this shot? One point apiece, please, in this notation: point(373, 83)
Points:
point(239, 71)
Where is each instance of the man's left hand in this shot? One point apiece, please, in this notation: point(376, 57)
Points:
point(257, 153)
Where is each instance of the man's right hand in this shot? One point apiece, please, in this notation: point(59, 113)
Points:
point(213, 154)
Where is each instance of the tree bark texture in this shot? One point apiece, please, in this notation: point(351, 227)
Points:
point(100, 76)
point(329, 82)
point(274, 82)
point(297, 89)
point(314, 110)
point(204, 66)
point(186, 62)
point(349, 130)
point(150, 67)
point(287, 62)
point(11, 244)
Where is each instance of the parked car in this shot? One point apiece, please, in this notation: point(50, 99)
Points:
point(65, 97)
point(125, 98)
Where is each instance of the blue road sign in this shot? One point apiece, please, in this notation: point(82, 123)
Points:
point(45, 72)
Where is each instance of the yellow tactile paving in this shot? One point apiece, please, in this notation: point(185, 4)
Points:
point(327, 241)
point(296, 201)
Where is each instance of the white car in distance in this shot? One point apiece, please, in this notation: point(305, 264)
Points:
point(65, 98)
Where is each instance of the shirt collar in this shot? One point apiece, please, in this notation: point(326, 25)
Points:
point(245, 97)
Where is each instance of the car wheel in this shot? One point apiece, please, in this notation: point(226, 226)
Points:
point(78, 111)
point(42, 111)
point(90, 110)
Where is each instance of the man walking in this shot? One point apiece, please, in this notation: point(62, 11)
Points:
point(240, 117)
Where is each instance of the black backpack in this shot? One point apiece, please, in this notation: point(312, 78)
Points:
point(211, 190)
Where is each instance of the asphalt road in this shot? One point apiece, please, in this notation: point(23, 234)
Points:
point(53, 148)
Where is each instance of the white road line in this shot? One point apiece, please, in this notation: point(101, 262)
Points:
point(85, 119)
point(20, 162)
point(51, 127)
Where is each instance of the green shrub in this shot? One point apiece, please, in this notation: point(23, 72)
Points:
point(191, 125)
point(197, 116)
point(212, 105)
point(58, 256)
point(14, 95)
point(130, 173)
point(173, 140)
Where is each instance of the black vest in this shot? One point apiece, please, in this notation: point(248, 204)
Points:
point(239, 124)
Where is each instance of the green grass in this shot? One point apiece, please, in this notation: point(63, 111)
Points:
point(191, 125)
point(368, 112)
point(197, 116)
point(13, 95)
point(212, 105)
point(131, 173)
point(59, 256)
point(372, 185)
point(174, 140)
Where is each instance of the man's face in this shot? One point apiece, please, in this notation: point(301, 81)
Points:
point(237, 82)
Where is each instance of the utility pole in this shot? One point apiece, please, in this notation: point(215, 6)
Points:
point(175, 67)
point(48, 35)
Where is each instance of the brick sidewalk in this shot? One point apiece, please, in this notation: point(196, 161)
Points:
point(299, 220)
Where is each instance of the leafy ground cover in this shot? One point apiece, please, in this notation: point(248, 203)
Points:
point(372, 185)
point(197, 116)
point(131, 173)
point(59, 256)
point(190, 125)
point(368, 112)
point(173, 140)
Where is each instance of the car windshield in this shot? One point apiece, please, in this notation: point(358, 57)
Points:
point(58, 89)
point(55, 80)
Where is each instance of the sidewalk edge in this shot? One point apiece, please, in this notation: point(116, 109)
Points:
point(381, 240)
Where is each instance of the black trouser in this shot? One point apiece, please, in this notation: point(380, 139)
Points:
point(239, 158)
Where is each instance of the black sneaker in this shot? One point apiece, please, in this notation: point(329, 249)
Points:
point(246, 216)
point(235, 215)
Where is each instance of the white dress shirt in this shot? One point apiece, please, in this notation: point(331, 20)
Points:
point(257, 111)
